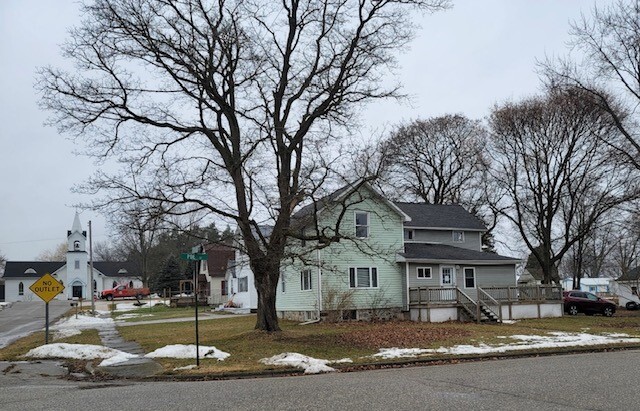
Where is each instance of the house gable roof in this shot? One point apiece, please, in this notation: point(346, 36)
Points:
point(306, 212)
point(440, 216)
point(632, 275)
point(218, 257)
point(446, 253)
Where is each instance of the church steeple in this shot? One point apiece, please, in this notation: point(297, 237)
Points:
point(76, 227)
point(76, 238)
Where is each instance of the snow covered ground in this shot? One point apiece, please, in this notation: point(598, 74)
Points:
point(523, 342)
point(71, 326)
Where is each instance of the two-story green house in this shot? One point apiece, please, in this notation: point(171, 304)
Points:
point(405, 260)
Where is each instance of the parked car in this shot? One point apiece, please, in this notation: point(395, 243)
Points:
point(577, 301)
point(124, 291)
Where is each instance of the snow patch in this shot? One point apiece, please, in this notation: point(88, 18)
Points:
point(310, 365)
point(186, 367)
point(523, 342)
point(389, 353)
point(188, 351)
point(75, 351)
point(117, 359)
point(71, 326)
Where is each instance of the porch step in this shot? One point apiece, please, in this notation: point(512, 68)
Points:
point(486, 315)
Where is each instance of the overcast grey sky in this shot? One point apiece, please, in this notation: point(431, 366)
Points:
point(463, 60)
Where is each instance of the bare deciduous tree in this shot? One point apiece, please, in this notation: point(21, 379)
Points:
point(555, 172)
point(227, 106)
point(58, 253)
point(607, 66)
point(441, 160)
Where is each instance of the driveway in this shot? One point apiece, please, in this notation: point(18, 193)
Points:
point(24, 318)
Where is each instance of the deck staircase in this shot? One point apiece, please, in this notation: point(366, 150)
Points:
point(480, 310)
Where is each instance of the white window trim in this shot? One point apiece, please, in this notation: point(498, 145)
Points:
point(304, 273)
point(283, 284)
point(453, 236)
point(453, 275)
point(424, 268)
point(355, 224)
point(464, 275)
point(355, 287)
point(245, 278)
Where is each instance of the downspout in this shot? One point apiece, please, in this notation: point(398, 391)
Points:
point(319, 283)
point(406, 269)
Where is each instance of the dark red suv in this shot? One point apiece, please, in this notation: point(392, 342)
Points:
point(577, 301)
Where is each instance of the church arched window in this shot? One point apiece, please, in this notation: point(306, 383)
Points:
point(130, 284)
point(76, 245)
point(114, 284)
point(21, 289)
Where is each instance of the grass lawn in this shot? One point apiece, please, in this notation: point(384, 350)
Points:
point(357, 341)
point(158, 312)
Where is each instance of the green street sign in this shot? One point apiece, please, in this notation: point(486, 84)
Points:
point(194, 256)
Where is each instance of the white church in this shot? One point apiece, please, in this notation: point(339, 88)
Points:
point(74, 273)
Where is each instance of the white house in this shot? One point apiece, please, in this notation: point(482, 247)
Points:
point(74, 273)
point(600, 286)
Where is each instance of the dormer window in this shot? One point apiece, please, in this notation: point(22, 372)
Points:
point(76, 245)
point(458, 236)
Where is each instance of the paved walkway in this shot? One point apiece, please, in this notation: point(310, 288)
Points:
point(135, 367)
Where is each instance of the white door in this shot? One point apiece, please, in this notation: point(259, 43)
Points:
point(447, 276)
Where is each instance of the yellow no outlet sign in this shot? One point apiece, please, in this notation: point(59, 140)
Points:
point(46, 287)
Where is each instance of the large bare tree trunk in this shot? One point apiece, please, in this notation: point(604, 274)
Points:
point(267, 317)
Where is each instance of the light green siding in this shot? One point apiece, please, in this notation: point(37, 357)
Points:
point(379, 250)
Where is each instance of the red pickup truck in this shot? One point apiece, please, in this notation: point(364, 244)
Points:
point(124, 291)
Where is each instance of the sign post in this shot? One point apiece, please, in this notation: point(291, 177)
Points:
point(46, 287)
point(195, 257)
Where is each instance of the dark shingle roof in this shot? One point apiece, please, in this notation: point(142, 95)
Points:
point(440, 216)
point(631, 275)
point(112, 268)
point(218, 259)
point(440, 252)
point(307, 211)
point(15, 269)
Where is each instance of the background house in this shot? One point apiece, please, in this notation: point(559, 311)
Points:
point(213, 271)
point(74, 273)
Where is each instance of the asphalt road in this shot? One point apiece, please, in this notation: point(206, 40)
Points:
point(598, 381)
point(24, 318)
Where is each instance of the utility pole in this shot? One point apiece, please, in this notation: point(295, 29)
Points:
point(93, 302)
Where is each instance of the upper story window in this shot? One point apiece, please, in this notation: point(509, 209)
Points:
point(362, 224)
point(21, 289)
point(76, 245)
point(243, 284)
point(409, 234)
point(76, 264)
point(458, 236)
